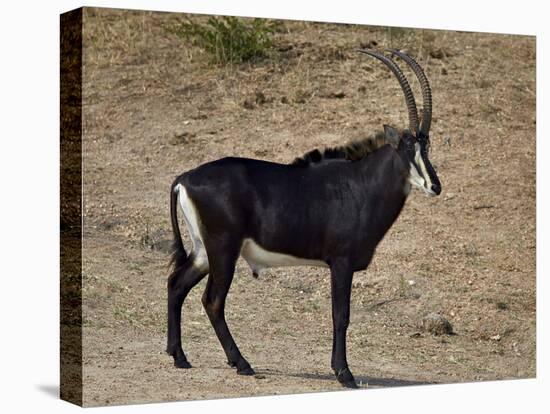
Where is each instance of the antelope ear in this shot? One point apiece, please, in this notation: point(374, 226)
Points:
point(392, 135)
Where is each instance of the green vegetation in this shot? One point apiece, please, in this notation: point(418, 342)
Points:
point(229, 39)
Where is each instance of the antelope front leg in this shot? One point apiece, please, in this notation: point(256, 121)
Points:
point(341, 276)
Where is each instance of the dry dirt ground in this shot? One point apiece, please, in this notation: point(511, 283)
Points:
point(154, 107)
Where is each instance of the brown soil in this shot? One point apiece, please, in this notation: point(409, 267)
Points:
point(153, 107)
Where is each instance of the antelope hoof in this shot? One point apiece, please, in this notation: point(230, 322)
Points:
point(247, 370)
point(181, 363)
point(350, 384)
point(345, 377)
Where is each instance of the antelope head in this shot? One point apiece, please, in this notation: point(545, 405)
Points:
point(413, 143)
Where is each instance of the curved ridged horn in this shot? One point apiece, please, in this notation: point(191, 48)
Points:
point(426, 90)
point(409, 97)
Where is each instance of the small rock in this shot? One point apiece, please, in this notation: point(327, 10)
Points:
point(444, 71)
point(439, 53)
point(247, 104)
point(336, 95)
point(502, 305)
point(259, 376)
point(182, 138)
point(436, 324)
point(368, 45)
point(260, 98)
point(285, 48)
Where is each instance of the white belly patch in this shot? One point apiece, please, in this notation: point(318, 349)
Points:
point(258, 258)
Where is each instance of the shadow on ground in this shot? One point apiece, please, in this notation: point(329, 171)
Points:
point(371, 381)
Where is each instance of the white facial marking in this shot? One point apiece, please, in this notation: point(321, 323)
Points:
point(258, 258)
point(193, 226)
point(420, 179)
point(420, 162)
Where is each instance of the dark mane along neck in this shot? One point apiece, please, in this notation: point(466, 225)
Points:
point(352, 151)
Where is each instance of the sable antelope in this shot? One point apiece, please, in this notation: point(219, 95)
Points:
point(328, 208)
